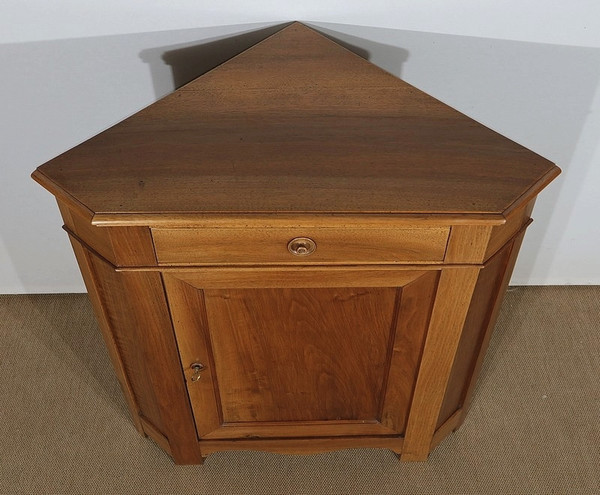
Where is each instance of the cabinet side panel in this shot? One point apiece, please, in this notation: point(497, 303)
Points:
point(121, 246)
point(502, 234)
point(489, 293)
point(117, 306)
point(86, 233)
point(450, 308)
point(105, 322)
point(134, 309)
point(512, 259)
point(476, 324)
point(154, 333)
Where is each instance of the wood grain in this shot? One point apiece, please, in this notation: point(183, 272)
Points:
point(133, 308)
point(155, 336)
point(299, 429)
point(128, 337)
point(156, 435)
point(290, 362)
point(121, 246)
point(297, 276)
point(300, 354)
point(450, 309)
point(405, 349)
point(515, 245)
point(132, 246)
point(165, 220)
point(180, 217)
point(468, 243)
point(501, 234)
point(316, 130)
point(106, 325)
point(188, 314)
point(334, 245)
point(486, 295)
point(445, 429)
point(81, 227)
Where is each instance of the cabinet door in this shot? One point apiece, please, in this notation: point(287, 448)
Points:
point(291, 352)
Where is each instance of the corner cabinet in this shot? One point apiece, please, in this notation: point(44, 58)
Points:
point(303, 258)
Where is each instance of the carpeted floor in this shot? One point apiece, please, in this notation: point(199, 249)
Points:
point(534, 426)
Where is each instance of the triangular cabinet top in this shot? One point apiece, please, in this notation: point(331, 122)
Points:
point(297, 125)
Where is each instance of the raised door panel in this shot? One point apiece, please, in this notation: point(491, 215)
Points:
point(285, 360)
point(298, 354)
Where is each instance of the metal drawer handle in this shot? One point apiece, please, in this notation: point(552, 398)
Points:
point(302, 246)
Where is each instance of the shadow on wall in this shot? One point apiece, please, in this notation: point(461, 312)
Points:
point(395, 56)
point(173, 66)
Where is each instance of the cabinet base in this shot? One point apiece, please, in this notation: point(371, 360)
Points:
point(302, 445)
point(306, 445)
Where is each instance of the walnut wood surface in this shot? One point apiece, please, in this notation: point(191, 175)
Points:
point(121, 246)
point(180, 218)
point(300, 354)
point(299, 276)
point(107, 327)
point(299, 429)
point(128, 337)
point(449, 312)
point(136, 325)
point(487, 292)
point(467, 243)
point(406, 347)
point(334, 245)
point(297, 124)
point(515, 222)
point(190, 323)
point(491, 322)
point(292, 362)
point(483, 310)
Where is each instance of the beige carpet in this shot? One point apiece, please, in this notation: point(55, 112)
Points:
point(534, 426)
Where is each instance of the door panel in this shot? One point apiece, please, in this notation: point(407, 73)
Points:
point(414, 311)
point(285, 360)
point(300, 354)
point(191, 330)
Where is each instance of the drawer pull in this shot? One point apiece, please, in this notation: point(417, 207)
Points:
point(197, 368)
point(301, 246)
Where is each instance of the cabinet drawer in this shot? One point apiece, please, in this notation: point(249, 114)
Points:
point(294, 245)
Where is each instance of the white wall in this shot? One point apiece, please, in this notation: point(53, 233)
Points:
point(529, 69)
point(575, 22)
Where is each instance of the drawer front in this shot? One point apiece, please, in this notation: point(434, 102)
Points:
point(299, 245)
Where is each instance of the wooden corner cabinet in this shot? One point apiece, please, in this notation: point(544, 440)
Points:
point(296, 252)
